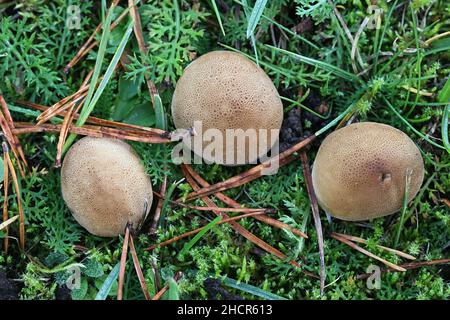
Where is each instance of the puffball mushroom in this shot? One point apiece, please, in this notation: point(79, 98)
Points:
point(105, 186)
point(360, 171)
point(225, 90)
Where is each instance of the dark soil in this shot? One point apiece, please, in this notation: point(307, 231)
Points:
point(8, 290)
point(217, 292)
point(293, 128)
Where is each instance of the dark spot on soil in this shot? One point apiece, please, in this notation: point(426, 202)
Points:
point(293, 128)
point(63, 293)
point(217, 292)
point(8, 290)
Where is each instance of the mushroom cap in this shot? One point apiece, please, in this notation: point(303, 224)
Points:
point(225, 90)
point(360, 170)
point(105, 186)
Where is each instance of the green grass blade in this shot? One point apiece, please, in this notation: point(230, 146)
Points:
point(160, 114)
point(219, 19)
point(174, 291)
point(251, 289)
point(108, 74)
point(408, 174)
point(410, 126)
point(87, 109)
point(197, 237)
point(444, 97)
point(100, 56)
point(320, 64)
point(109, 282)
point(255, 16)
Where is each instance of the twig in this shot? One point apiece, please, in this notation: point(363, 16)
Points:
point(368, 253)
point(158, 296)
point(156, 216)
point(195, 231)
point(316, 216)
point(138, 269)
point(252, 173)
point(5, 198)
point(137, 28)
point(96, 131)
point(97, 121)
point(361, 240)
point(123, 262)
point(241, 230)
point(232, 203)
point(408, 266)
point(200, 208)
point(7, 125)
point(18, 197)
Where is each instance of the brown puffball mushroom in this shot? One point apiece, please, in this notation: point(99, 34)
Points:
point(360, 170)
point(105, 186)
point(225, 90)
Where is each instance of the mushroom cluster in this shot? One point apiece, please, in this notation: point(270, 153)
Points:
point(222, 91)
point(105, 186)
point(360, 171)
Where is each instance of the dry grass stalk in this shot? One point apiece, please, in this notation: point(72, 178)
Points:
point(123, 263)
point(361, 240)
point(232, 203)
point(408, 266)
point(9, 163)
point(252, 173)
point(195, 231)
point(7, 125)
point(95, 131)
point(367, 253)
point(97, 121)
point(5, 198)
point(137, 267)
point(156, 216)
point(316, 216)
point(236, 226)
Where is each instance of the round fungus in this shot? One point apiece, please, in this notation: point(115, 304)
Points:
point(360, 171)
point(105, 186)
point(232, 104)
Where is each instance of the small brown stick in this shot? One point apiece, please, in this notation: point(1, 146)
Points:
point(446, 202)
point(123, 263)
point(6, 223)
point(7, 125)
point(316, 216)
point(61, 105)
point(95, 131)
point(64, 131)
point(5, 198)
point(237, 227)
point(232, 203)
point(195, 231)
point(361, 240)
point(250, 174)
point(200, 208)
point(156, 216)
point(367, 253)
point(98, 121)
point(138, 269)
point(82, 52)
point(137, 28)
point(408, 266)
point(18, 196)
point(158, 296)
